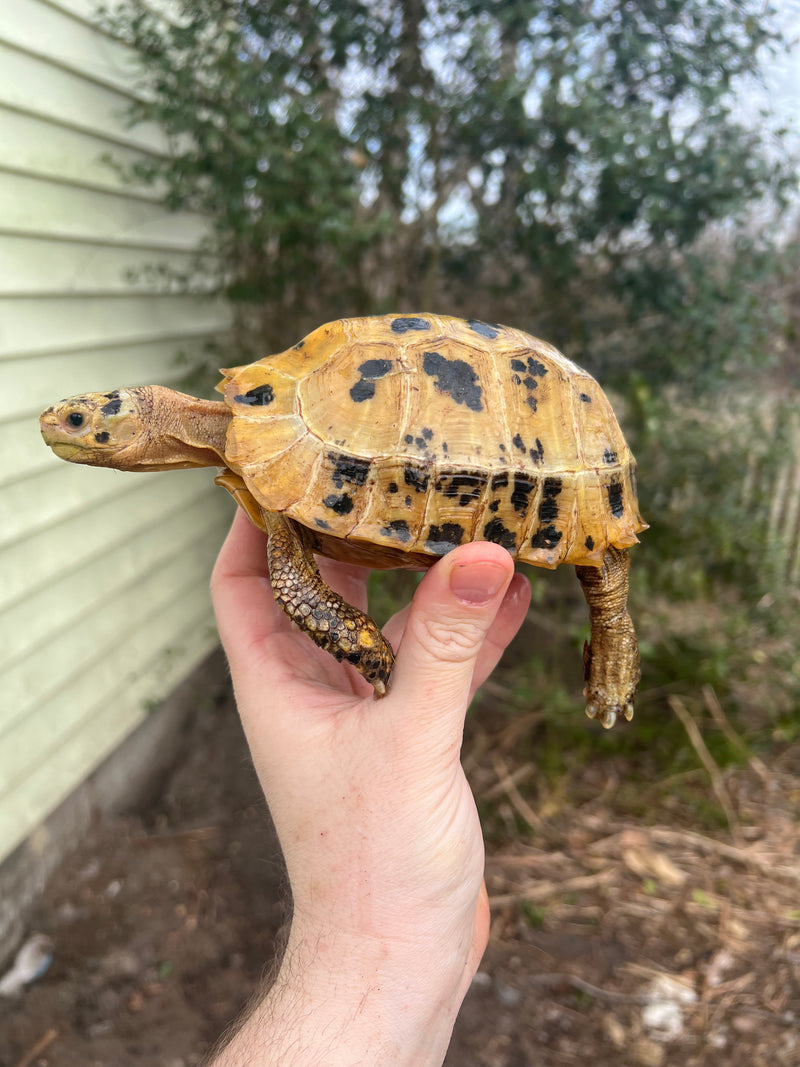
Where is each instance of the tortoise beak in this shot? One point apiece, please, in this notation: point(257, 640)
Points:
point(48, 424)
point(64, 445)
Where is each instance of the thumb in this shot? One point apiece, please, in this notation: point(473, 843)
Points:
point(450, 616)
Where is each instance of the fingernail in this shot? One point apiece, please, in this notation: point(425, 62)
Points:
point(475, 583)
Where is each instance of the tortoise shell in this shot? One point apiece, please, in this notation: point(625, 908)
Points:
point(407, 435)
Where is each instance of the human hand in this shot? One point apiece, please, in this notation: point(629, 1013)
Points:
point(377, 824)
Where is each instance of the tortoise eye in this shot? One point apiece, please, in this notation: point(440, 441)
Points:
point(75, 419)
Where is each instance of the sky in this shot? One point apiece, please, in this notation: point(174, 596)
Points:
point(783, 76)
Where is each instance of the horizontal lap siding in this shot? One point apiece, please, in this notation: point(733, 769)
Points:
point(104, 605)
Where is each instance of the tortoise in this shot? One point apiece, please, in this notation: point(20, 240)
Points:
point(387, 441)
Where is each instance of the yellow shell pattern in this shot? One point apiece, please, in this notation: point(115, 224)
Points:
point(420, 432)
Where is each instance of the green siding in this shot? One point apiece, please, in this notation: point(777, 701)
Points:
point(104, 602)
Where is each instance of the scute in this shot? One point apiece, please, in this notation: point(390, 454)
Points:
point(413, 433)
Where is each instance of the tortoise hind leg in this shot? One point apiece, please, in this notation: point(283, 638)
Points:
point(336, 626)
point(611, 656)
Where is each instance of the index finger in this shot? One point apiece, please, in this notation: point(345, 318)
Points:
point(241, 591)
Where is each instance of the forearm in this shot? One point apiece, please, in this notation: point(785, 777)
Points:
point(378, 826)
point(338, 1002)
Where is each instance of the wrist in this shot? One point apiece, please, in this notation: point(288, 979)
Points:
point(341, 1000)
point(386, 1001)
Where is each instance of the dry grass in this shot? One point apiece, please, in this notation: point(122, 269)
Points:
point(657, 904)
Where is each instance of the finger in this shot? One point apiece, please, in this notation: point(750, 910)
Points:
point(347, 579)
point(510, 616)
point(508, 620)
point(241, 592)
point(453, 609)
point(256, 634)
point(481, 929)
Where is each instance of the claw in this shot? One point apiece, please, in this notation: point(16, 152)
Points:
point(608, 716)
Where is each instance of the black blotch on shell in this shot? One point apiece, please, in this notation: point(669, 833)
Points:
point(499, 481)
point(548, 508)
point(546, 537)
point(454, 377)
point(352, 469)
point(375, 368)
point(518, 443)
point(442, 539)
point(341, 503)
point(484, 329)
point(404, 324)
point(537, 454)
point(521, 493)
point(260, 396)
point(362, 391)
point(112, 407)
point(370, 370)
point(392, 487)
point(610, 456)
point(322, 524)
point(397, 528)
point(495, 504)
point(586, 398)
point(427, 433)
point(467, 487)
point(536, 368)
point(589, 542)
point(498, 533)
point(417, 477)
point(615, 501)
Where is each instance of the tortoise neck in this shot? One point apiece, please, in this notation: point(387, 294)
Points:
point(183, 430)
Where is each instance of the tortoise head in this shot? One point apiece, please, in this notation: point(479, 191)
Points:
point(143, 428)
point(103, 429)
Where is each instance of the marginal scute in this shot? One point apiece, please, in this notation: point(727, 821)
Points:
point(496, 531)
point(266, 474)
point(443, 539)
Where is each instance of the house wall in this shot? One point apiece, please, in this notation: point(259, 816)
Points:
point(104, 605)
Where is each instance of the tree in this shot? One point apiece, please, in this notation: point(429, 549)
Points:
point(255, 145)
point(576, 169)
point(586, 146)
point(356, 156)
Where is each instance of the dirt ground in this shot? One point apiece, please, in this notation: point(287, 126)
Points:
point(616, 939)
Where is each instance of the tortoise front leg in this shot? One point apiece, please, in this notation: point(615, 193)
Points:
point(611, 656)
point(336, 626)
